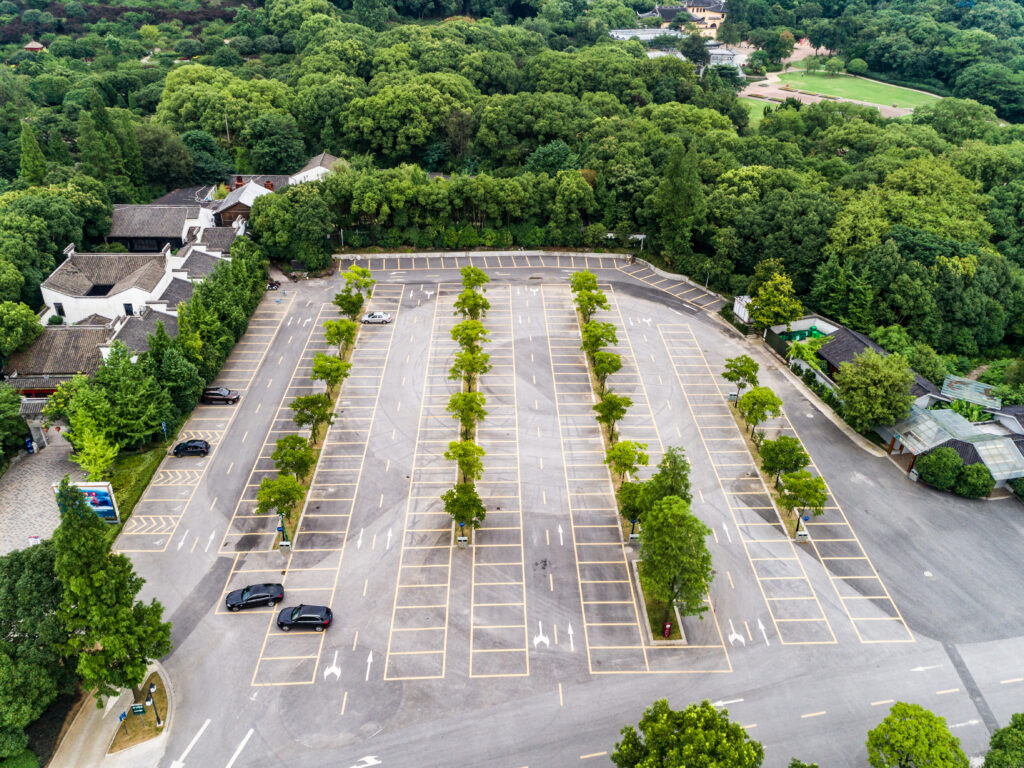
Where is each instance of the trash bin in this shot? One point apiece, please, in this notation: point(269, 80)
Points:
point(29, 446)
point(666, 629)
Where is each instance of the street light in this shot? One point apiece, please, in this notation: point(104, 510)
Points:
point(284, 530)
point(150, 702)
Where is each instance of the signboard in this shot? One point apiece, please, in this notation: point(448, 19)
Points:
point(99, 496)
point(138, 709)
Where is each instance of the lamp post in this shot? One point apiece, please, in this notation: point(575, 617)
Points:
point(151, 702)
point(284, 531)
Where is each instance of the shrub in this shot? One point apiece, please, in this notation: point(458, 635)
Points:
point(1018, 487)
point(857, 67)
point(55, 320)
point(26, 759)
point(940, 468)
point(974, 482)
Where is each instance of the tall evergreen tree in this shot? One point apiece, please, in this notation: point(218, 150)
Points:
point(130, 153)
point(830, 290)
point(679, 201)
point(93, 154)
point(33, 164)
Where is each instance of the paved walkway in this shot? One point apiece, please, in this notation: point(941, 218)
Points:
point(27, 505)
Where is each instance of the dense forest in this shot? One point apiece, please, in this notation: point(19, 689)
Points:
point(525, 125)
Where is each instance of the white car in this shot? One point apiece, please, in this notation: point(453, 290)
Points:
point(376, 317)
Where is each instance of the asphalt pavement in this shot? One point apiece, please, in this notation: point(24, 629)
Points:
point(441, 655)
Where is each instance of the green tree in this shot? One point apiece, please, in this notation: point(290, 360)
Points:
point(782, 456)
point(775, 303)
point(595, 335)
point(875, 389)
point(975, 482)
point(94, 454)
point(292, 455)
point(33, 164)
point(32, 641)
point(274, 143)
point(470, 335)
point(113, 636)
point(1006, 747)
point(583, 281)
point(359, 280)
point(330, 370)
point(469, 366)
point(469, 457)
point(279, 495)
point(700, 735)
point(13, 429)
point(834, 66)
point(468, 408)
point(675, 564)
point(679, 201)
point(588, 302)
point(631, 498)
point(741, 371)
point(341, 333)
point(473, 278)
point(313, 411)
point(625, 457)
point(610, 409)
point(759, 405)
point(807, 351)
point(671, 479)
point(913, 736)
point(464, 505)
point(605, 364)
point(19, 327)
point(471, 304)
point(940, 468)
point(137, 401)
point(803, 491)
point(349, 303)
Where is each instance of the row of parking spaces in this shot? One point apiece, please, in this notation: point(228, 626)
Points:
point(418, 634)
point(863, 595)
point(614, 635)
point(638, 424)
point(155, 519)
point(795, 610)
point(504, 260)
point(311, 574)
point(678, 288)
point(498, 644)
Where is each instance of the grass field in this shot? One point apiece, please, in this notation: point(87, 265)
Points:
point(756, 109)
point(847, 87)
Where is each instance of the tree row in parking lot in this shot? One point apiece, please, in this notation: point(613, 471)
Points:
point(294, 456)
point(462, 501)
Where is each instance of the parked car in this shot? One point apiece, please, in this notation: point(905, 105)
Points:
point(254, 596)
point(377, 317)
point(219, 395)
point(192, 448)
point(316, 617)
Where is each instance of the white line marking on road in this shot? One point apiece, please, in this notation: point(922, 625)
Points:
point(334, 669)
point(1012, 680)
point(290, 338)
point(182, 541)
point(883, 701)
point(359, 541)
point(561, 542)
point(230, 466)
point(701, 493)
point(307, 321)
point(258, 406)
point(925, 669)
point(403, 381)
point(713, 533)
point(947, 690)
point(381, 502)
point(344, 701)
point(388, 545)
point(209, 541)
point(544, 497)
point(966, 722)
point(366, 583)
point(245, 435)
point(398, 406)
point(369, 662)
point(280, 359)
point(540, 637)
point(734, 636)
point(726, 529)
point(813, 714)
point(572, 645)
point(269, 382)
point(180, 762)
point(541, 460)
point(239, 750)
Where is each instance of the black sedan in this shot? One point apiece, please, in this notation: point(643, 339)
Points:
point(192, 448)
point(254, 596)
point(316, 617)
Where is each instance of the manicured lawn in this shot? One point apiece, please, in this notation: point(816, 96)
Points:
point(847, 87)
point(755, 108)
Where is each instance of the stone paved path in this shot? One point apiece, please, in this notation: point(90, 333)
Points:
point(27, 505)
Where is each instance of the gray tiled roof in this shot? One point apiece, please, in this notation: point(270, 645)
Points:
point(846, 344)
point(94, 319)
point(176, 292)
point(218, 238)
point(323, 160)
point(59, 350)
point(187, 196)
point(82, 271)
point(151, 220)
point(135, 331)
point(200, 264)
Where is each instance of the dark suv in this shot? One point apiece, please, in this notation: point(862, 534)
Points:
point(219, 395)
point(254, 595)
point(316, 617)
point(192, 448)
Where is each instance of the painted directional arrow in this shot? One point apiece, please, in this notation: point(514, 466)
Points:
point(764, 634)
point(561, 542)
point(967, 722)
point(181, 541)
point(721, 703)
point(389, 539)
point(540, 637)
point(209, 542)
point(727, 534)
point(925, 669)
point(359, 541)
point(369, 662)
point(572, 645)
point(734, 635)
point(334, 669)
point(366, 762)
